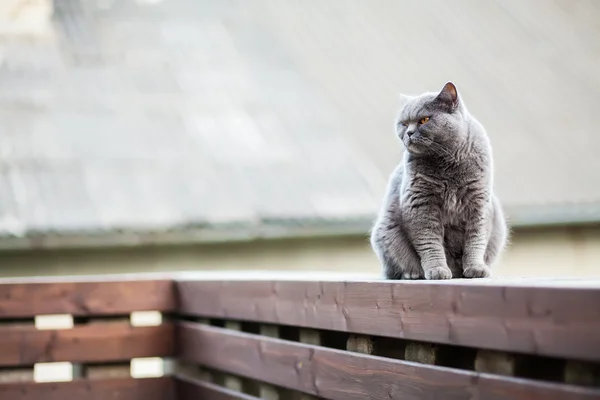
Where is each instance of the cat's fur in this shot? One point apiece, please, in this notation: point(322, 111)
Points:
point(440, 218)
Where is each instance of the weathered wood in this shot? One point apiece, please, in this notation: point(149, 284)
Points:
point(266, 391)
point(529, 318)
point(310, 336)
point(581, 373)
point(269, 330)
point(91, 389)
point(269, 392)
point(424, 353)
point(16, 374)
point(193, 389)
point(234, 325)
point(377, 346)
point(495, 362)
point(360, 344)
point(233, 382)
point(104, 371)
point(100, 342)
point(334, 374)
point(81, 298)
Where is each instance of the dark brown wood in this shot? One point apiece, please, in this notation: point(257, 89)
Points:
point(93, 389)
point(99, 342)
point(536, 318)
point(194, 389)
point(335, 374)
point(28, 298)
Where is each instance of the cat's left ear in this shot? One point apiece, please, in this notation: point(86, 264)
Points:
point(404, 99)
point(449, 95)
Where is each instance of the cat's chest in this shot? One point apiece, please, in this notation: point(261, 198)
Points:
point(454, 204)
point(454, 192)
point(451, 199)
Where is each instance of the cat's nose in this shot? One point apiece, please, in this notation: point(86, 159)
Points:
point(410, 133)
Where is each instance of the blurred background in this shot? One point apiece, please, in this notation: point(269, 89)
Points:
point(173, 135)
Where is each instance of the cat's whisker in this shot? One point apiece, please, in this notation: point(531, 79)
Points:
point(441, 151)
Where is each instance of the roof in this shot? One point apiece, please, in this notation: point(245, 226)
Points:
point(208, 120)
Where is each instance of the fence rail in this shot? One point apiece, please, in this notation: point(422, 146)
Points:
point(99, 342)
point(95, 296)
point(299, 340)
point(552, 320)
point(91, 389)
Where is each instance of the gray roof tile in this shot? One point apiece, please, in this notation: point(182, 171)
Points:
point(135, 116)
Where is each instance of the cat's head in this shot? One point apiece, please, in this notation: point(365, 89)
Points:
point(432, 123)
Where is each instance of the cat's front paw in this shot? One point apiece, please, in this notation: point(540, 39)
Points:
point(412, 274)
point(437, 273)
point(477, 271)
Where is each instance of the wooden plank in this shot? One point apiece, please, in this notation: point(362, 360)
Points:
point(193, 389)
point(495, 362)
point(30, 297)
point(534, 319)
point(99, 342)
point(92, 389)
point(335, 374)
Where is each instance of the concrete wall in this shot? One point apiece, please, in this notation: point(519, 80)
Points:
point(568, 251)
point(535, 252)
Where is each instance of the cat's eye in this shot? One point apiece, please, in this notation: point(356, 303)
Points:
point(423, 120)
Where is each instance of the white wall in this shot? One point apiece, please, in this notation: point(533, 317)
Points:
point(540, 252)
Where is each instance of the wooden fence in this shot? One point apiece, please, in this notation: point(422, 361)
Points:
point(249, 339)
point(100, 343)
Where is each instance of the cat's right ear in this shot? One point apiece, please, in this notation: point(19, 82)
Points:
point(449, 95)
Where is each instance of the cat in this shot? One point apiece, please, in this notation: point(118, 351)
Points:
point(440, 218)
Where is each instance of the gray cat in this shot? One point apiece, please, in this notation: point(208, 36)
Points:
point(440, 218)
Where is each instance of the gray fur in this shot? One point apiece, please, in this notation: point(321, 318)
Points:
point(440, 218)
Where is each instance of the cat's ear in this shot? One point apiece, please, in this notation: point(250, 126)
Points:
point(404, 99)
point(449, 95)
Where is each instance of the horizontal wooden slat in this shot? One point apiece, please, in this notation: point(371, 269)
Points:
point(193, 389)
point(100, 389)
point(545, 320)
point(335, 374)
point(29, 298)
point(99, 342)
